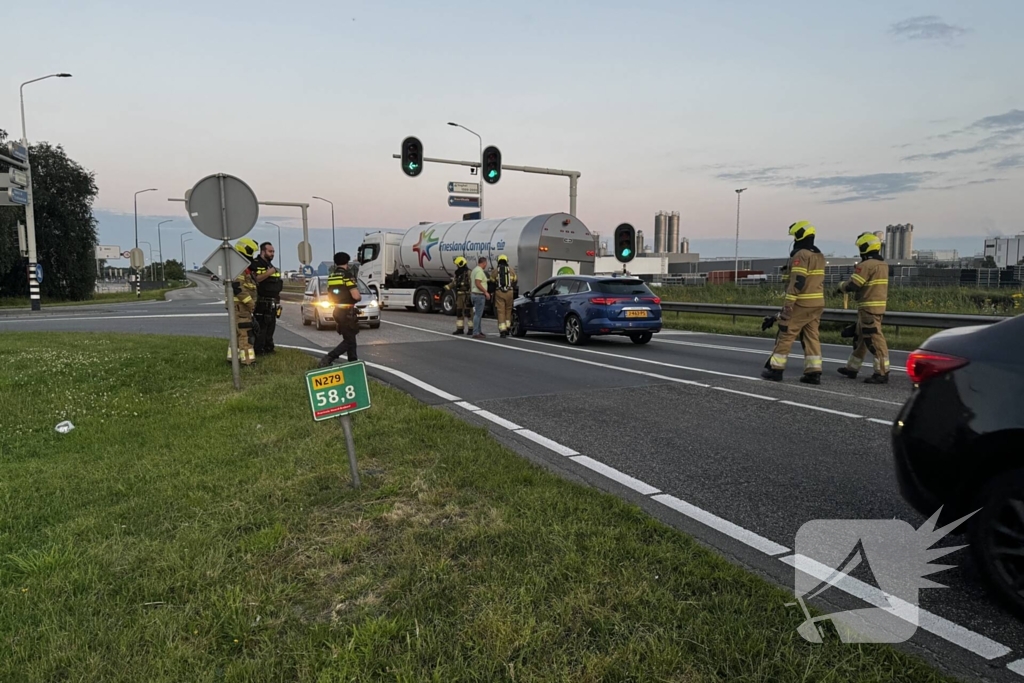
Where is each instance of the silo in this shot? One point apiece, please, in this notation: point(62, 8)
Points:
point(660, 228)
point(673, 232)
point(639, 242)
point(684, 247)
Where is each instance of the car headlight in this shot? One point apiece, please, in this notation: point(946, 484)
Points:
point(373, 304)
point(325, 304)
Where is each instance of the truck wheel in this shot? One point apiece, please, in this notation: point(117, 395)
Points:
point(423, 302)
point(448, 303)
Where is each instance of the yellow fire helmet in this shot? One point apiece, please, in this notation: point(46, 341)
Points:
point(247, 248)
point(459, 261)
point(868, 242)
point(800, 230)
point(502, 257)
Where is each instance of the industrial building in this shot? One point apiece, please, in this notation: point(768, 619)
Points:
point(898, 242)
point(666, 234)
point(1005, 251)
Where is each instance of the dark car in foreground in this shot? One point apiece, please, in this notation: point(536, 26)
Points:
point(581, 306)
point(959, 443)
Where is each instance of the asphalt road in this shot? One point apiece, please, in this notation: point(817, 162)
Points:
point(694, 437)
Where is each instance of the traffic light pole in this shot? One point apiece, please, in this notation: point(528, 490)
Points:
point(573, 176)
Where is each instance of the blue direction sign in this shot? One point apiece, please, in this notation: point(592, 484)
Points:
point(456, 200)
point(307, 271)
point(39, 273)
point(17, 150)
point(17, 195)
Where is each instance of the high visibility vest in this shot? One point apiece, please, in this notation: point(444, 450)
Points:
point(339, 284)
point(269, 288)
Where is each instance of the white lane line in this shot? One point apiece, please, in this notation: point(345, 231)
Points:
point(544, 441)
point(44, 318)
point(743, 349)
point(943, 628)
point(1016, 667)
point(488, 415)
point(768, 340)
point(887, 423)
point(745, 393)
point(615, 475)
point(731, 530)
point(468, 406)
point(823, 410)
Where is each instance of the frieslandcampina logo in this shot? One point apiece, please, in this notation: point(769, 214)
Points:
point(423, 246)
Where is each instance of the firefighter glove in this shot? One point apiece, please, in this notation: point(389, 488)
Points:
point(767, 322)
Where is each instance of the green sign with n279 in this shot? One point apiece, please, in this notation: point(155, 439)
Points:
point(338, 390)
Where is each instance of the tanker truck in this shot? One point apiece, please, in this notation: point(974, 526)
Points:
point(410, 269)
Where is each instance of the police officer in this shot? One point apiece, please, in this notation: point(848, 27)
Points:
point(504, 278)
point(870, 286)
point(268, 303)
point(243, 289)
point(801, 314)
point(463, 304)
point(344, 293)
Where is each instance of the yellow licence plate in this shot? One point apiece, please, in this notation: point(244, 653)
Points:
point(636, 314)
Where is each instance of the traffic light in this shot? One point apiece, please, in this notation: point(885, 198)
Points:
point(625, 243)
point(412, 157)
point(492, 165)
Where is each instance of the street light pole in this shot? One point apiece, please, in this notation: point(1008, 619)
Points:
point(30, 214)
point(152, 275)
point(160, 245)
point(184, 268)
point(280, 246)
point(736, 265)
point(138, 286)
point(334, 246)
point(181, 238)
point(481, 178)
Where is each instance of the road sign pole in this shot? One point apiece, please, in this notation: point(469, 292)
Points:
point(229, 296)
point(30, 234)
point(350, 444)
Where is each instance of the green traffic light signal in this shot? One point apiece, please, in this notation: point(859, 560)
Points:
point(412, 156)
point(625, 238)
point(491, 163)
point(626, 251)
point(492, 174)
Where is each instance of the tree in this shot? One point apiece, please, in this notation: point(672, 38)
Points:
point(62, 193)
point(989, 262)
point(174, 270)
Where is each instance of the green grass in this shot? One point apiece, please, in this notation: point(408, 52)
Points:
point(187, 532)
point(105, 298)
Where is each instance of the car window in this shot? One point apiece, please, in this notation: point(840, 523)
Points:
point(563, 287)
point(544, 289)
point(620, 287)
point(363, 289)
point(579, 287)
point(367, 252)
point(310, 286)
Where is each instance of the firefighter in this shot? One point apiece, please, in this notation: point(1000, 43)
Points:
point(801, 313)
point(268, 302)
point(343, 293)
point(870, 286)
point(504, 278)
point(244, 289)
point(463, 304)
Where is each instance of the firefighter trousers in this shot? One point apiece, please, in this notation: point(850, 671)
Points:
point(869, 337)
point(503, 309)
point(802, 324)
point(463, 310)
point(243, 318)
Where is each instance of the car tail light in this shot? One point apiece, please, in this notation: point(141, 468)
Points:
point(590, 252)
point(923, 365)
point(605, 300)
point(656, 300)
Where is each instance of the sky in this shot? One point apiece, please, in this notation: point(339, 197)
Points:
point(849, 115)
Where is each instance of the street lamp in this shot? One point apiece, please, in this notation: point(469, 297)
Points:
point(279, 245)
point(736, 266)
point(138, 290)
point(30, 215)
point(481, 184)
point(181, 238)
point(160, 245)
point(334, 247)
point(184, 268)
point(152, 273)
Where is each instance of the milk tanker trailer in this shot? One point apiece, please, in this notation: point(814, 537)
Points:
point(411, 269)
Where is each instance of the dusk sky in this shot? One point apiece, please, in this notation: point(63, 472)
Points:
point(849, 115)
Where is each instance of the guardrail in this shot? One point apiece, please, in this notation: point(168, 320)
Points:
point(839, 315)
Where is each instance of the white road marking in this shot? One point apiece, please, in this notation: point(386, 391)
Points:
point(823, 410)
point(726, 527)
point(943, 628)
point(487, 415)
point(951, 632)
point(615, 475)
point(44, 318)
point(745, 393)
point(887, 423)
point(760, 352)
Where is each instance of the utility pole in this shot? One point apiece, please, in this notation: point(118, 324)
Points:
point(481, 157)
point(334, 246)
point(160, 245)
point(736, 266)
point(280, 246)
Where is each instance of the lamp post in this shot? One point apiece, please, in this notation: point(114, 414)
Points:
point(30, 215)
point(138, 288)
point(183, 240)
point(160, 246)
point(281, 246)
point(736, 265)
point(334, 246)
point(481, 178)
point(152, 274)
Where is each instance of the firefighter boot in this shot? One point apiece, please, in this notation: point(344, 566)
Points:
point(811, 378)
point(772, 375)
point(877, 379)
point(847, 372)
point(459, 331)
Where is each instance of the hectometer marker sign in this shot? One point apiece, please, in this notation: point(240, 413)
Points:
point(338, 390)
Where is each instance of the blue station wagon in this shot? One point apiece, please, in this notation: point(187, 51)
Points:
point(582, 306)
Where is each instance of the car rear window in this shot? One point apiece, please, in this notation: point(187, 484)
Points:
point(622, 287)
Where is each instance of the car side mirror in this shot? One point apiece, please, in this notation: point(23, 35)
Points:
point(528, 294)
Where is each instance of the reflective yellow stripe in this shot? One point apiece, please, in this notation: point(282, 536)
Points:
point(809, 296)
point(863, 304)
point(778, 362)
point(799, 271)
point(878, 282)
point(791, 297)
point(816, 272)
point(858, 279)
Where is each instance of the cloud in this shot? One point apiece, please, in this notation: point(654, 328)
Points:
point(1012, 161)
point(868, 187)
point(766, 174)
point(946, 154)
point(1010, 122)
point(929, 27)
point(1004, 132)
point(985, 181)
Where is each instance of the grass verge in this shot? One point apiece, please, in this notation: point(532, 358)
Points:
point(187, 532)
point(105, 298)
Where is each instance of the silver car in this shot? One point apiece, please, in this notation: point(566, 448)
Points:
point(317, 309)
